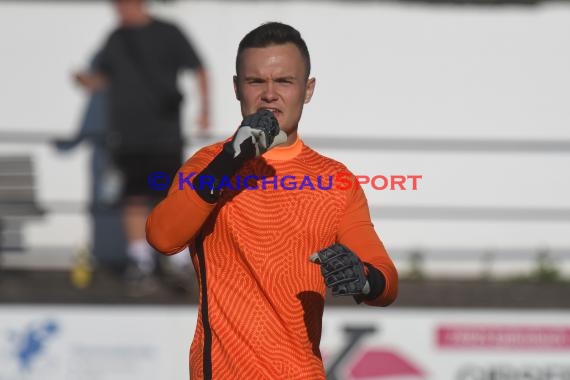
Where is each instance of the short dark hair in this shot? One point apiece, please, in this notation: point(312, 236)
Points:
point(274, 33)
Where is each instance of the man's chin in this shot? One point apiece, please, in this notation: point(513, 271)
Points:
point(288, 130)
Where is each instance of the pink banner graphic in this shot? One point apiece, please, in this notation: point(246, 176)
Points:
point(504, 337)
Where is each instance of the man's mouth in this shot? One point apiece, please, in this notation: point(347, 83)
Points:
point(274, 110)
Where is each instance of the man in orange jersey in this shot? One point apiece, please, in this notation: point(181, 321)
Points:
point(265, 256)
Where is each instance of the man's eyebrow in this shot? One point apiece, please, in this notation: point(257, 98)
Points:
point(252, 77)
point(286, 77)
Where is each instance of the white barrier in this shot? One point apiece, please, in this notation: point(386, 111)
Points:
point(119, 343)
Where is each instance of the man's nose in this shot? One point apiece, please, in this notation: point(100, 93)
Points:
point(269, 93)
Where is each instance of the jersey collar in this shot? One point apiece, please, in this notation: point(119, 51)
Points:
point(283, 153)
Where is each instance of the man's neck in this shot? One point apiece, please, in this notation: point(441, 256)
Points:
point(291, 138)
point(141, 20)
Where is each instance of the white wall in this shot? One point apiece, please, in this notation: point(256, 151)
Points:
point(383, 70)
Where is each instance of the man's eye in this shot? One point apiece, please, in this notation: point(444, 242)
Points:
point(254, 81)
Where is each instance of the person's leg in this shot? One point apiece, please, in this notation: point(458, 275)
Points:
point(135, 212)
point(108, 237)
point(176, 269)
point(135, 208)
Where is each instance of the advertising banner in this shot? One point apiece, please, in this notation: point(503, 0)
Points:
point(360, 343)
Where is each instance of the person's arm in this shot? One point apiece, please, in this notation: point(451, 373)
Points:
point(357, 233)
point(97, 76)
point(203, 86)
point(176, 220)
point(190, 59)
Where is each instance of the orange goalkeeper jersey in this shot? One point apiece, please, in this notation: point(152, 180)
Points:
point(261, 299)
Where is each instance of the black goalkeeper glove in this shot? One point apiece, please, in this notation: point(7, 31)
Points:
point(345, 275)
point(256, 134)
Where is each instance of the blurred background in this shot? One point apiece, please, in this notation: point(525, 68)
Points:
point(471, 95)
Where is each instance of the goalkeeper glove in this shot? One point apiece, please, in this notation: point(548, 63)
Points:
point(345, 274)
point(256, 134)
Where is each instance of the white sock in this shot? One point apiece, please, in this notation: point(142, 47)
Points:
point(142, 254)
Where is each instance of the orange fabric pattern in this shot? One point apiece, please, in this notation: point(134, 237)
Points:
point(261, 299)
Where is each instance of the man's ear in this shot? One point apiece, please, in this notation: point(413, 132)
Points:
point(310, 89)
point(236, 87)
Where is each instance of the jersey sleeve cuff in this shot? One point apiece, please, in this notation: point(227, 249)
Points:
point(377, 283)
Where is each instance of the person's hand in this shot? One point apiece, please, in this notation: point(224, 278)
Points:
point(257, 134)
point(90, 81)
point(342, 270)
point(81, 79)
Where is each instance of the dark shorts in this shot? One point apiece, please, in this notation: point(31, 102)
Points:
point(147, 174)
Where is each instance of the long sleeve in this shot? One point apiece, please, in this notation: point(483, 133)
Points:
point(176, 220)
point(356, 232)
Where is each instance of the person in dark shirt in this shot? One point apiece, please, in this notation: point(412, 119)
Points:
point(139, 65)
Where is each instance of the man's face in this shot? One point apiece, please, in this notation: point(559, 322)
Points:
point(128, 11)
point(274, 78)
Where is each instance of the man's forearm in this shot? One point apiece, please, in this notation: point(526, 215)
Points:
point(176, 220)
point(203, 88)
